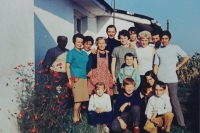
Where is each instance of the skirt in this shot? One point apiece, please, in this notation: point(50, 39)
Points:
point(80, 90)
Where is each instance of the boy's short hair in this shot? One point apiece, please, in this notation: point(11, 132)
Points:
point(111, 26)
point(155, 32)
point(124, 33)
point(100, 38)
point(87, 39)
point(128, 81)
point(99, 84)
point(77, 36)
point(144, 34)
point(133, 29)
point(128, 54)
point(161, 84)
point(167, 33)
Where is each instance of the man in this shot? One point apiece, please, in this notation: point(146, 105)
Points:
point(166, 60)
point(111, 41)
point(87, 44)
point(133, 42)
point(155, 37)
point(55, 60)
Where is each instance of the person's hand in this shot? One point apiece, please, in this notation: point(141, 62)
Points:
point(107, 51)
point(123, 107)
point(177, 67)
point(90, 74)
point(131, 45)
point(94, 50)
point(114, 80)
point(122, 124)
point(70, 84)
point(99, 110)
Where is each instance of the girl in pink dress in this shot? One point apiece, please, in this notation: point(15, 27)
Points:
point(98, 67)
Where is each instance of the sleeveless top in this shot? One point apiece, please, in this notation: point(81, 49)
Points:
point(145, 59)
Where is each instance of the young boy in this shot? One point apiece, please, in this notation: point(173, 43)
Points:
point(127, 108)
point(159, 110)
point(118, 58)
point(129, 71)
point(87, 44)
point(100, 107)
point(133, 42)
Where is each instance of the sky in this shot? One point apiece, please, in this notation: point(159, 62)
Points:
point(183, 15)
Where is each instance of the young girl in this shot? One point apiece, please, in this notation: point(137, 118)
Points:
point(98, 67)
point(76, 71)
point(100, 107)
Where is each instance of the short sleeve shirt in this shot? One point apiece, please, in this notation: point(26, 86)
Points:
point(78, 63)
point(119, 53)
point(167, 58)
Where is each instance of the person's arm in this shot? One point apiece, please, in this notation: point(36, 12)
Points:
point(135, 64)
point(120, 75)
point(156, 62)
point(113, 69)
point(185, 59)
point(149, 109)
point(155, 68)
point(137, 79)
point(91, 106)
point(123, 125)
point(48, 60)
point(68, 73)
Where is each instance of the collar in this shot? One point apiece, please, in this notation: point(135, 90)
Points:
point(57, 48)
point(95, 95)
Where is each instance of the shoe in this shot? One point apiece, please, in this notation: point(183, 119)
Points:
point(77, 122)
point(136, 130)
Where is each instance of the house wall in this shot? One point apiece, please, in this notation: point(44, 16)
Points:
point(17, 47)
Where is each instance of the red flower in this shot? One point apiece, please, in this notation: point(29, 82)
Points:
point(40, 71)
point(53, 121)
point(36, 117)
point(66, 95)
point(29, 63)
point(48, 86)
point(46, 69)
point(53, 108)
point(37, 84)
point(45, 100)
point(73, 79)
point(84, 107)
point(55, 74)
point(58, 101)
point(56, 81)
point(51, 71)
point(20, 115)
point(22, 80)
point(59, 64)
point(34, 130)
point(6, 84)
point(40, 62)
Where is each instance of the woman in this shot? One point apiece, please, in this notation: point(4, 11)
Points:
point(147, 92)
point(145, 55)
point(76, 71)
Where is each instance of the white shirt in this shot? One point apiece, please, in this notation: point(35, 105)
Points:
point(102, 102)
point(145, 59)
point(88, 52)
point(159, 105)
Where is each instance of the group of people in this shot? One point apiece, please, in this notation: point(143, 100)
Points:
point(130, 83)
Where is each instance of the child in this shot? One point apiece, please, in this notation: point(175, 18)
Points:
point(100, 107)
point(87, 44)
point(133, 42)
point(159, 110)
point(127, 108)
point(129, 71)
point(118, 58)
point(76, 64)
point(99, 68)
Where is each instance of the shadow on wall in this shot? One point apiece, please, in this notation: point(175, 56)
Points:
point(43, 40)
point(60, 8)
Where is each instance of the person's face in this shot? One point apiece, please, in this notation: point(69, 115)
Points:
point(123, 39)
point(62, 42)
point(159, 91)
point(111, 33)
point(101, 45)
point(87, 45)
point(155, 38)
point(78, 43)
point(165, 40)
point(133, 35)
point(129, 89)
point(150, 80)
point(144, 42)
point(100, 90)
point(129, 60)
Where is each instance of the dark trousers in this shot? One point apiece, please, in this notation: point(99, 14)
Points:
point(100, 118)
point(130, 118)
point(175, 103)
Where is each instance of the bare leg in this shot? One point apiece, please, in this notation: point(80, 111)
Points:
point(76, 112)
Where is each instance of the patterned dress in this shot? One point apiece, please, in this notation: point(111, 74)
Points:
point(101, 74)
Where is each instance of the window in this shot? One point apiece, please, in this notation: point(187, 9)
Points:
point(78, 21)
